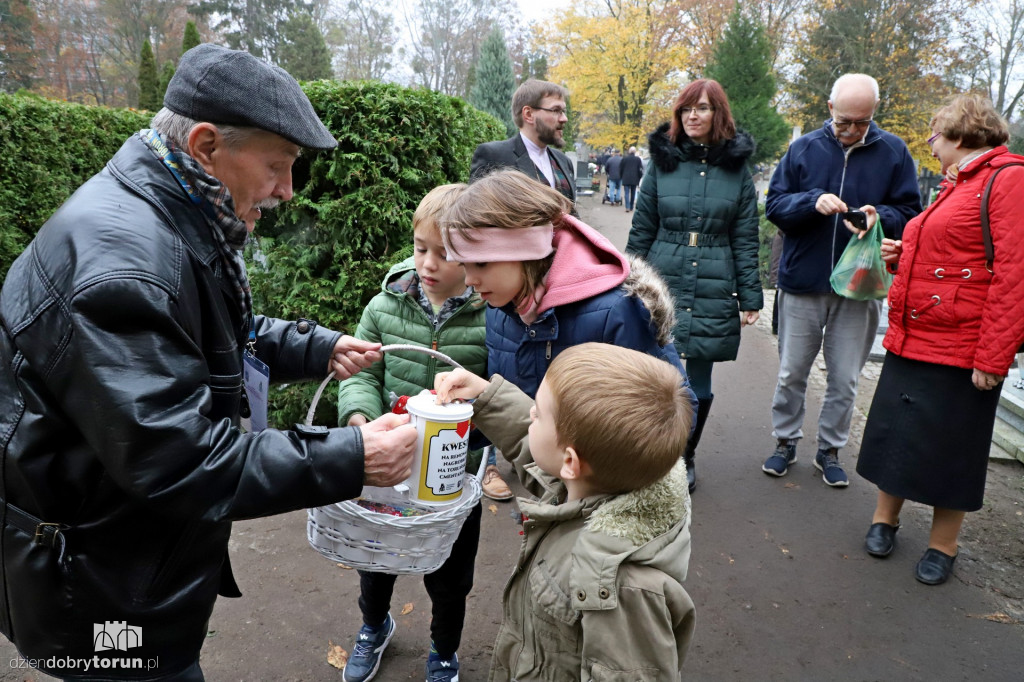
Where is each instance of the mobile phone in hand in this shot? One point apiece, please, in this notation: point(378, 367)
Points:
point(858, 219)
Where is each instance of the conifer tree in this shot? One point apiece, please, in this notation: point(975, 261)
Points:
point(302, 51)
point(741, 63)
point(191, 38)
point(166, 74)
point(149, 83)
point(494, 80)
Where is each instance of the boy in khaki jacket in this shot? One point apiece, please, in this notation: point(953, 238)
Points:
point(597, 591)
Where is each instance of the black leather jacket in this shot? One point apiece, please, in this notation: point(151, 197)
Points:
point(120, 385)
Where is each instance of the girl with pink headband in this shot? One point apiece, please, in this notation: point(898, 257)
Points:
point(551, 281)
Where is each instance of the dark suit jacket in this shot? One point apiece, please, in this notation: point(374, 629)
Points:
point(632, 170)
point(511, 153)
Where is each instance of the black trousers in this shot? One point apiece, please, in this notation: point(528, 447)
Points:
point(448, 588)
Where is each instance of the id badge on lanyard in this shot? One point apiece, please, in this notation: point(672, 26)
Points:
point(256, 377)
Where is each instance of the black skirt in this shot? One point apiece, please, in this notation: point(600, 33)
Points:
point(928, 434)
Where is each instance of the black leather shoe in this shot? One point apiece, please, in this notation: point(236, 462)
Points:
point(881, 539)
point(935, 567)
point(691, 476)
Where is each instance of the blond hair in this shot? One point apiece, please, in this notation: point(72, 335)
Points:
point(971, 120)
point(624, 412)
point(434, 204)
point(508, 199)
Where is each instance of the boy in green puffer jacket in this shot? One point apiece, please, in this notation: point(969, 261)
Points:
point(424, 301)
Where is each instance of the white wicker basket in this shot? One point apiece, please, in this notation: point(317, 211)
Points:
point(370, 541)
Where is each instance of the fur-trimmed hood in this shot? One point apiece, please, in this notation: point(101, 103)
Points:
point(645, 283)
point(730, 154)
point(643, 514)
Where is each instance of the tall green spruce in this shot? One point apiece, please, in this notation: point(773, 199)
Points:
point(494, 80)
point(191, 38)
point(302, 51)
point(149, 84)
point(741, 62)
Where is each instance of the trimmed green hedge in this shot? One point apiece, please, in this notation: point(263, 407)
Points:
point(322, 255)
point(48, 149)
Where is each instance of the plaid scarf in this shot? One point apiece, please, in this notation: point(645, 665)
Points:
point(229, 232)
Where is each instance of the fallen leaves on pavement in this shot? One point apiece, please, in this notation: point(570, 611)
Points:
point(336, 656)
point(407, 609)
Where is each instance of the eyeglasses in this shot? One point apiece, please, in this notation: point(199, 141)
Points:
point(843, 125)
point(557, 111)
point(703, 110)
point(933, 138)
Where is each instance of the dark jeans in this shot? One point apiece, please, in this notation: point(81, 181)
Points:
point(448, 588)
point(630, 192)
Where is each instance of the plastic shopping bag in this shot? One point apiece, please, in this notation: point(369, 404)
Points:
point(860, 273)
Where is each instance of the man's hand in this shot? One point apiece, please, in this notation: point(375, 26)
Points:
point(891, 250)
point(388, 445)
point(829, 204)
point(358, 420)
point(351, 355)
point(461, 384)
point(872, 216)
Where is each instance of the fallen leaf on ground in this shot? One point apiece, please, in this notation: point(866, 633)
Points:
point(792, 485)
point(407, 609)
point(347, 568)
point(336, 656)
point(997, 617)
point(493, 508)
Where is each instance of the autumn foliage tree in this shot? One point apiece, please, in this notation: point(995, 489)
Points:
point(904, 45)
point(620, 60)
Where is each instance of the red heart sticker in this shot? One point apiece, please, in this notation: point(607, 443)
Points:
point(462, 428)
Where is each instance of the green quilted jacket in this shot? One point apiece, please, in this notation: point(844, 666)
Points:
point(696, 223)
point(395, 316)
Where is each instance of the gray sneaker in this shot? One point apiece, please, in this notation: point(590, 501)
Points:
point(366, 652)
point(784, 455)
point(827, 462)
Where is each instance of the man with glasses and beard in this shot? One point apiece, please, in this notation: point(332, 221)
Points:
point(848, 164)
point(538, 108)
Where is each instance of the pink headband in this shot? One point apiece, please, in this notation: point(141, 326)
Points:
point(498, 244)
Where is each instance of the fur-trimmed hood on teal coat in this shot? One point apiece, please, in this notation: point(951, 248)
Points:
point(396, 316)
point(696, 222)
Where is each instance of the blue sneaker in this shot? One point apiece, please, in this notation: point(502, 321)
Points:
point(442, 669)
point(366, 652)
point(784, 455)
point(827, 462)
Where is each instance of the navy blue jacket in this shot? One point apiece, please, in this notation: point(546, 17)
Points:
point(522, 353)
point(879, 172)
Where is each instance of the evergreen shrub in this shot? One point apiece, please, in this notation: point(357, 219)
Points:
point(320, 256)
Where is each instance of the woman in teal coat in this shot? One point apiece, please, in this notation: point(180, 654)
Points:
point(696, 222)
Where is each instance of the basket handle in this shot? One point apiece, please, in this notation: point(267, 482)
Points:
point(383, 349)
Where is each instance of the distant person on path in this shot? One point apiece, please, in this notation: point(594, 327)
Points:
point(848, 164)
point(955, 324)
point(602, 159)
point(127, 332)
point(550, 281)
point(614, 167)
point(632, 170)
point(696, 222)
point(539, 110)
point(425, 302)
point(597, 593)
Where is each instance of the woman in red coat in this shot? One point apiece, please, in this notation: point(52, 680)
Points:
point(955, 323)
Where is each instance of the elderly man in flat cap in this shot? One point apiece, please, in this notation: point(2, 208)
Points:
point(129, 350)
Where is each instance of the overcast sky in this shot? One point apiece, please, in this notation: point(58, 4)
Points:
point(540, 10)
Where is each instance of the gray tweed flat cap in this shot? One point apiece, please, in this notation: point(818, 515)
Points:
point(216, 85)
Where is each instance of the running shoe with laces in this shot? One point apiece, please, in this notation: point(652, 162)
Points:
point(366, 652)
point(827, 462)
point(784, 455)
